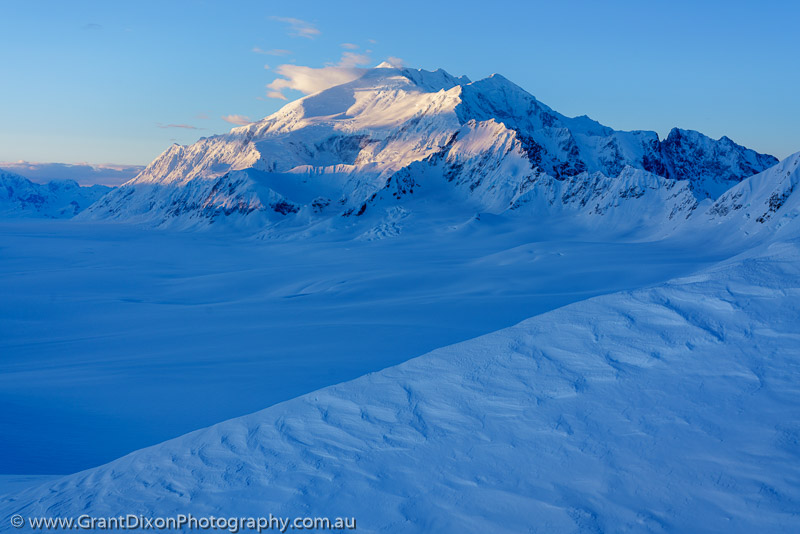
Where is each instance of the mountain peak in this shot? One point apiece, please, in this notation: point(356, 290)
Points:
point(712, 166)
point(393, 128)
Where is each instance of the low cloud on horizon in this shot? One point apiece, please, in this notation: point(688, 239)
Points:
point(83, 173)
point(183, 126)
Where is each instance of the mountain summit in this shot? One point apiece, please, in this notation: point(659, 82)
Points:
point(398, 132)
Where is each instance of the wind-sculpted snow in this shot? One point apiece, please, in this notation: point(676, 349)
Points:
point(669, 409)
point(354, 139)
point(61, 199)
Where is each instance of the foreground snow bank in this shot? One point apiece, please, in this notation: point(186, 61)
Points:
point(670, 409)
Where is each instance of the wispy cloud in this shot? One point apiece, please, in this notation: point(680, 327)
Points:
point(241, 120)
point(92, 26)
point(203, 116)
point(272, 52)
point(349, 46)
point(184, 126)
point(309, 80)
point(396, 62)
point(352, 59)
point(298, 27)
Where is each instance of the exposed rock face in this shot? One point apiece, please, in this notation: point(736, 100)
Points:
point(712, 167)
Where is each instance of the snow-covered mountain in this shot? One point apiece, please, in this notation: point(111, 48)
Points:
point(60, 199)
point(397, 134)
point(765, 202)
point(712, 167)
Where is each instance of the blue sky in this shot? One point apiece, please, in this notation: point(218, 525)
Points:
point(112, 82)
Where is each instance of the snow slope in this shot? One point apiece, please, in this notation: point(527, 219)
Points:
point(334, 153)
point(19, 197)
point(668, 409)
point(767, 203)
point(116, 337)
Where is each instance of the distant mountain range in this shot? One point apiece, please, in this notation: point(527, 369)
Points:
point(58, 199)
point(85, 174)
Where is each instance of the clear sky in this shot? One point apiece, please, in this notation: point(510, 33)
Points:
point(114, 82)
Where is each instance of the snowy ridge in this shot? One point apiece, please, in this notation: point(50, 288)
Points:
point(712, 167)
point(549, 424)
point(485, 165)
point(60, 199)
point(236, 194)
point(355, 142)
point(563, 146)
point(765, 202)
point(635, 199)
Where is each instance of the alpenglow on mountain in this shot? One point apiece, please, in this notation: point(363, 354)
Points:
point(396, 134)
